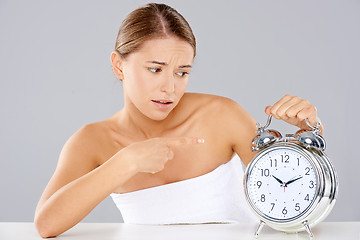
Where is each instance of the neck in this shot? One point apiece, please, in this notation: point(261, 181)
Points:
point(141, 124)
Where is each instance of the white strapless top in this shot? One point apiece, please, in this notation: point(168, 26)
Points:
point(215, 197)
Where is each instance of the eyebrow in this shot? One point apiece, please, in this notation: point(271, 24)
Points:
point(165, 64)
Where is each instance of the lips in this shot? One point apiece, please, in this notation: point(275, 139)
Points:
point(163, 104)
point(163, 101)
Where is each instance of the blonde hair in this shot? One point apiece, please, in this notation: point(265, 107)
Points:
point(151, 21)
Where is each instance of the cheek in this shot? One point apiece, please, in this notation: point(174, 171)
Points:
point(139, 83)
point(181, 86)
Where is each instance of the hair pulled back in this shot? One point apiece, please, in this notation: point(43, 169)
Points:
point(151, 21)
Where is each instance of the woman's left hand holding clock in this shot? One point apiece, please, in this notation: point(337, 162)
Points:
point(294, 110)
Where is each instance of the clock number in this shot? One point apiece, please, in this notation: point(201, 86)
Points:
point(311, 184)
point(284, 211)
point(259, 183)
point(307, 197)
point(298, 161)
point(297, 207)
point(308, 170)
point(265, 172)
point(275, 162)
point(286, 157)
point(262, 199)
point(273, 205)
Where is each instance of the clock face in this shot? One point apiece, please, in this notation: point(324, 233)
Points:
point(282, 184)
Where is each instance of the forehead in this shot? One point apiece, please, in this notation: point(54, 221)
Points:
point(166, 49)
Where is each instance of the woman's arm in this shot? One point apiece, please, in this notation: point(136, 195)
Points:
point(78, 185)
point(241, 126)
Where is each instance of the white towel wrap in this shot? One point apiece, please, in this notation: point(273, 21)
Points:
point(215, 197)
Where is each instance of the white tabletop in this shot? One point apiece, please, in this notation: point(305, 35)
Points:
point(235, 231)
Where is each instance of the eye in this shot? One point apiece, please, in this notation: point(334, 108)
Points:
point(182, 74)
point(154, 70)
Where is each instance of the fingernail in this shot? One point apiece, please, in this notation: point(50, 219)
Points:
point(200, 140)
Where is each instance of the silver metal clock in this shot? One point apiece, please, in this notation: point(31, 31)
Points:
point(290, 184)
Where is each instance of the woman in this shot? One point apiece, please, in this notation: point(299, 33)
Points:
point(164, 144)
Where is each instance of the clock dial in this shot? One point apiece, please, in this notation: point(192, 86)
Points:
point(282, 184)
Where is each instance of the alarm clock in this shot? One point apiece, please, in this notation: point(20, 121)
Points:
point(290, 184)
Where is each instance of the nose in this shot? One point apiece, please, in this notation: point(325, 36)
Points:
point(168, 84)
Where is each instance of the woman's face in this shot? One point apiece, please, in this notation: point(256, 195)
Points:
point(155, 77)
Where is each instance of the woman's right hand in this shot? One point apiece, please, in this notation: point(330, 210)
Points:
point(150, 156)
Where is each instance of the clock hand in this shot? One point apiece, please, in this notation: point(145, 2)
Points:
point(277, 179)
point(292, 180)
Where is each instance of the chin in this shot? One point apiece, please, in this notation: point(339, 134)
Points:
point(158, 116)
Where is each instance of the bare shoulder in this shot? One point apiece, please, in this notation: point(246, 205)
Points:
point(241, 129)
point(225, 108)
point(77, 157)
point(83, 146)
point(231, 113)
point(86, 135)
point(207, 101)
point(203, 96)
point(236, 125)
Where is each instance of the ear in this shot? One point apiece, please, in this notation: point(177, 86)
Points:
point(117, 65)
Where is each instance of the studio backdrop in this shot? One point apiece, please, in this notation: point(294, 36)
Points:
point(55, 77)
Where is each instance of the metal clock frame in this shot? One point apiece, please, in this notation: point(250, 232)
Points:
point(325, 194)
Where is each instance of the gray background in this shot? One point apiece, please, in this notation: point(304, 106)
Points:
point(55, 77)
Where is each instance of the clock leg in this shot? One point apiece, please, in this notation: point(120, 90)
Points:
point(261, 225)
point(307, 228)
